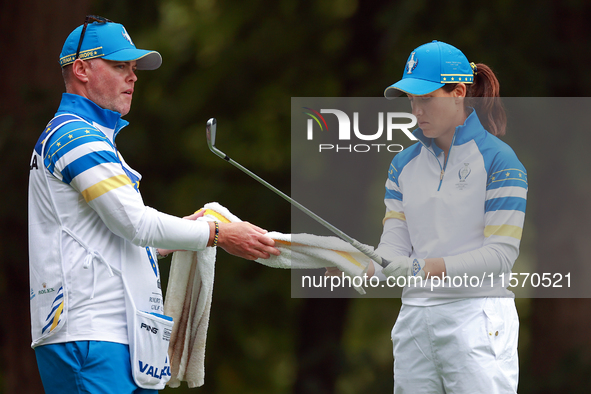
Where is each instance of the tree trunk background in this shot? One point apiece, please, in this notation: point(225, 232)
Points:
point(32, 33)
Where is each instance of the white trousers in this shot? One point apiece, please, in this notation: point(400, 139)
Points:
point(468, 346)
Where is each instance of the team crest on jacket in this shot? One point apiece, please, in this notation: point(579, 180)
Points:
point(463, 173)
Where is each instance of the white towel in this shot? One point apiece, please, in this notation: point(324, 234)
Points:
point(190, 288)
point(306, 251)
point(188, 302)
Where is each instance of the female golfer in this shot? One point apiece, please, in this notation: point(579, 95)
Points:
point(455, 207)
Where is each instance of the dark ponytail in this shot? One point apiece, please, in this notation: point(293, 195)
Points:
point(484, 96)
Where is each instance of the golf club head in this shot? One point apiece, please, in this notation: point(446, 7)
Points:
point(210, 133)
point(210, 130)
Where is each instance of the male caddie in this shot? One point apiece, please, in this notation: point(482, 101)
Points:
point(96, 302)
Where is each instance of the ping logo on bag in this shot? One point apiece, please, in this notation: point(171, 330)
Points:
point(153, 371)
point(151, 329)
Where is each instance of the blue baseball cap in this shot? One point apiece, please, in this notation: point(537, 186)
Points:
point(431, 66)
point(109, 41)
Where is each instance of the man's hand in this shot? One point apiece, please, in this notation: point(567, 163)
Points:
point(245, 240)
point(405, 266)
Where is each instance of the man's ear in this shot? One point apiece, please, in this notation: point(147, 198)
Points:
point(80, 70)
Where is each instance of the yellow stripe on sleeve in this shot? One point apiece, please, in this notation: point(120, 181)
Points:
point(104, 186)
point(394, 215)
point(506, 230)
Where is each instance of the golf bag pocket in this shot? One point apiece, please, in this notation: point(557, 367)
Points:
point(149, 350)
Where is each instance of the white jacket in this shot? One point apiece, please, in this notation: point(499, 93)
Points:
point(469, 211)
point(88, 225)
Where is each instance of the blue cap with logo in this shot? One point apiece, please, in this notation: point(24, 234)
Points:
point(109, 41)
point(431, 66)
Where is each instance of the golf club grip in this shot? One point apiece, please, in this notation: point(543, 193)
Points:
point(369, 253)
point(352, 241)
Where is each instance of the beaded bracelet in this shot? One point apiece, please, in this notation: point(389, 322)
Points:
point(217, 233)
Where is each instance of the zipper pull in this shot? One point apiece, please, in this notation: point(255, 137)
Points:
point(441, 176)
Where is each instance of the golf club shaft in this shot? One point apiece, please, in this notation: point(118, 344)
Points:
point(211, 132)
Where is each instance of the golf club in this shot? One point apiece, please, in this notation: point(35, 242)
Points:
point(211, 133)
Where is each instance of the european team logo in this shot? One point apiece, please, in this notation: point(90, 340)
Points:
point(411, 64)
point(463, 173)
point(127, 36)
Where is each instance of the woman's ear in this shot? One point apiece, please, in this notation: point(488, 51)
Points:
point(459, 90)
